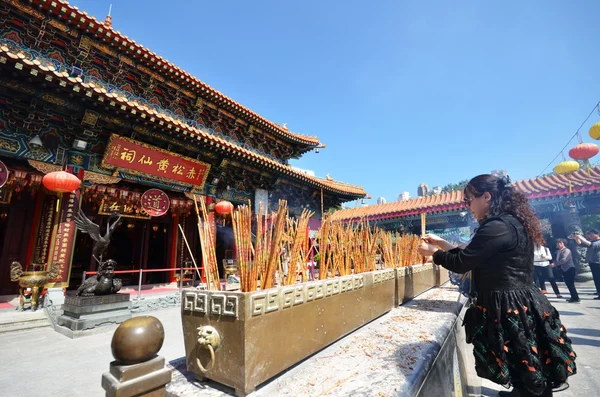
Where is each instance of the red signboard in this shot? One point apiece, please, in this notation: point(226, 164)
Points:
point(155, 202)
point(137, 156)
point(65, 238)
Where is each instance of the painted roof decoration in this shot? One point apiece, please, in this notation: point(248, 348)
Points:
point(141, 110)
point(536, 188)
point(103, 32)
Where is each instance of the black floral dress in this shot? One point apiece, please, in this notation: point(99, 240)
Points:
point(516, 333)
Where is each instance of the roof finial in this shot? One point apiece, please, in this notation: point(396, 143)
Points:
point(108, 21)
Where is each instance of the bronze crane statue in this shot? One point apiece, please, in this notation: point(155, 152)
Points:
point(100, 242)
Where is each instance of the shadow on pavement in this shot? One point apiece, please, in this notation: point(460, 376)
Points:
point(577, 341)
point(567, 313)
point(585, 331)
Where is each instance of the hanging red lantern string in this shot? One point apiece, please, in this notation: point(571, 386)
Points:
point(584, 152)
point(566, 168)
point(595, 131)
point(224, 207)
point(61, 182)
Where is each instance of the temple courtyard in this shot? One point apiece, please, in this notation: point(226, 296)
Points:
point(44, 362)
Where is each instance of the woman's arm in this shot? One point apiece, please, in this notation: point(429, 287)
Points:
point(490, 238)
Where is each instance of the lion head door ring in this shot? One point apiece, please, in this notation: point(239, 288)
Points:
point(208, 338)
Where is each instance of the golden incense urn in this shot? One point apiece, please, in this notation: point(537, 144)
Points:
point(34, 280)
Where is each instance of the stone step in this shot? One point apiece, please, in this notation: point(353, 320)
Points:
point(20, 321)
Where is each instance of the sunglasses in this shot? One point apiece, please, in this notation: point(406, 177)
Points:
point(468, 200)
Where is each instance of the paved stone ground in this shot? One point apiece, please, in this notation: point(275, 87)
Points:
point(583, 326)
point(43, 362)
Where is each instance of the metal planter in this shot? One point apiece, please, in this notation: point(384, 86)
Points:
point(243, 339)
point(414, 280)
point(442, 276)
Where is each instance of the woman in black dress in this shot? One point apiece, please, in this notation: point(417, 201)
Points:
point(517, 335)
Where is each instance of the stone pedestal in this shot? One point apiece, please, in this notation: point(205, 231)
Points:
point(147, 379)
point(56, 295)
point(82, 314)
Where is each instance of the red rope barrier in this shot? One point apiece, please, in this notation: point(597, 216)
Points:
point(175, 269)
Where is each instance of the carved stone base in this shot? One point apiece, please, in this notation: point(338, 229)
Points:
point(147, 379)
point(85, 313)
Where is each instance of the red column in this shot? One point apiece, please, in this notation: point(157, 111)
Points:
point(63, 242)
point(174, 245)
point(65, 232)
point(34, 227)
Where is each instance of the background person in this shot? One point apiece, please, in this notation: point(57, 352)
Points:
point(592, 255)
point(564, 259)
point(542, 270)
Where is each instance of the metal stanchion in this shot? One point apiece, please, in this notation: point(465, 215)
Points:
point(140, 285)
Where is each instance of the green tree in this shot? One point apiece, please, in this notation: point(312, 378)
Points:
point(454, 187)
point(336, 208)
point(590, 222)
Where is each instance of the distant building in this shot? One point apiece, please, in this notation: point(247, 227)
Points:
point(423, 190)
point(404, 196)
point(437, 190)
point(381, 200)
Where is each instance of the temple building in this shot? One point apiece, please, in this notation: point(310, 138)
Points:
point(76, 95)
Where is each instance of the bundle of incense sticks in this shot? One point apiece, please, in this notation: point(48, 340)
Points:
point(370, 247)
point(242, 232)
point(357, 249)
point(397, 250)
point(276, 231)
point(415, 241)
point(388, 252)
point(337, 250)
point(324, 237)
point(207, 242)
point(263, 241)
point(423, 223)
point(305, 252)
point(296, 231)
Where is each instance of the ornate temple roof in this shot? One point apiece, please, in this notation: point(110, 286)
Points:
point(536, 188)
point(116, 100)
point(102, 31)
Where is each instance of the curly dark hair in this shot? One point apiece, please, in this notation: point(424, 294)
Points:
point(507, 200)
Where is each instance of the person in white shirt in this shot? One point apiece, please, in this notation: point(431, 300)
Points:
point(542, 269)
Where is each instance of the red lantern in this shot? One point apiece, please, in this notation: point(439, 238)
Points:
point(61, 182)
point(224, 207)
point(584, 152)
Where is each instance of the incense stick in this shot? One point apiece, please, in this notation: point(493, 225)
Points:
point(190, 251)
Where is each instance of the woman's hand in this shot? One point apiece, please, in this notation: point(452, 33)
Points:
point(427, 249)
point(433, 239)
point(437, 241)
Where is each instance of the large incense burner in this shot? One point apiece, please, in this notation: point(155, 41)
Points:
point(242, 339)
point(281, 316)
point(34, 280)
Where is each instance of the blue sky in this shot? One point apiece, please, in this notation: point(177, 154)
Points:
point(401, 92)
